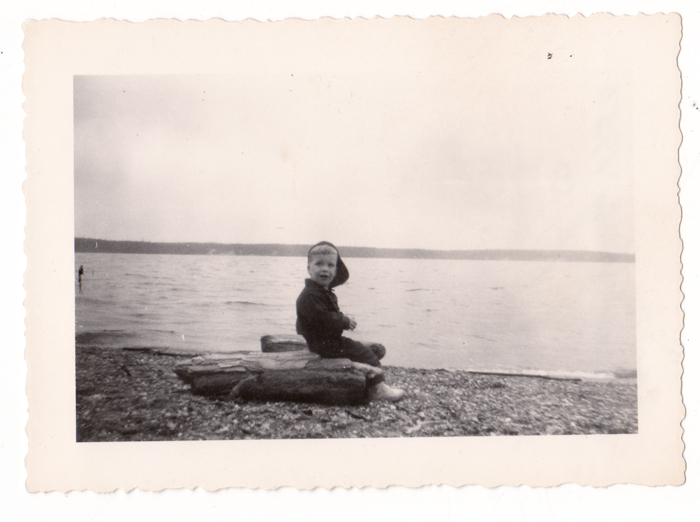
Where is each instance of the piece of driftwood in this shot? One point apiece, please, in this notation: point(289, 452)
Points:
point(286, 376)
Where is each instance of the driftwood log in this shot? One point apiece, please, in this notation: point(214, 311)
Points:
point(297, 375)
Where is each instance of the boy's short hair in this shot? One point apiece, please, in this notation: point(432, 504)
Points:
point(321, 250)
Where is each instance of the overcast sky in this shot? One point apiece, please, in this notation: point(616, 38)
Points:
point(427, 150)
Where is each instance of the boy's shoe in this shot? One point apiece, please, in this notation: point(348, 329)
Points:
point(383, 392)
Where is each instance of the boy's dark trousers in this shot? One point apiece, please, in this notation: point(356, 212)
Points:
point(369, 353)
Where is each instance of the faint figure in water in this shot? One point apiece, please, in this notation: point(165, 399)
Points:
point(81, 271)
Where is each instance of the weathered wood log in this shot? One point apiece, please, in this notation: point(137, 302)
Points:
point(288, 376)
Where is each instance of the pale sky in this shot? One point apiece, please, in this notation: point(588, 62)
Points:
point(405, 150)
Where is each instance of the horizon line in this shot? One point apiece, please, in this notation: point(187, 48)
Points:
point(397, 249)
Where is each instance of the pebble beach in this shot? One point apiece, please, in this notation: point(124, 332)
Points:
point(124, 395)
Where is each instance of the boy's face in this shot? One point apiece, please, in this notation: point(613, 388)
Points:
point(322, 268)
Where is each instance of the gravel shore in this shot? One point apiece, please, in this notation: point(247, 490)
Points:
point(135, 396)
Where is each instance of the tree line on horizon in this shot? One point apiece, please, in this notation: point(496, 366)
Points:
point(236, 249)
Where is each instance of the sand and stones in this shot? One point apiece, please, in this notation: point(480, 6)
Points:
point(127, 395)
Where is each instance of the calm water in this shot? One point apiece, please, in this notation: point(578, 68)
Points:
point(481, 315)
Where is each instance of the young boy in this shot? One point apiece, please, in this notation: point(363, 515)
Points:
point(321, 322)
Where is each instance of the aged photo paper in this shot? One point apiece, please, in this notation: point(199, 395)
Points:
point(502, 136)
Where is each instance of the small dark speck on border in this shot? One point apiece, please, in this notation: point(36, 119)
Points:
point(549, 56)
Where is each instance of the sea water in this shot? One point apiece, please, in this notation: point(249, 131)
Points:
point(511, 316)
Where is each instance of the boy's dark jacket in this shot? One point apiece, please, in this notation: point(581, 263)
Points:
point(319, 318)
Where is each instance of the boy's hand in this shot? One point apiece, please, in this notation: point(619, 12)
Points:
point(351, 323)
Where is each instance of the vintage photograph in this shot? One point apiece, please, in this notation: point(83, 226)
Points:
point(366, 244)
point(350, 253)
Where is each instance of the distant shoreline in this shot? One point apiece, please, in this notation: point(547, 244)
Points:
point(93, 245)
